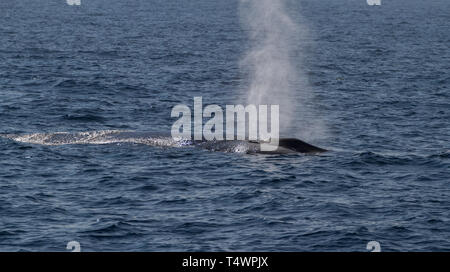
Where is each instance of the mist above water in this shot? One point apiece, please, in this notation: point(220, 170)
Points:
point(272, 63)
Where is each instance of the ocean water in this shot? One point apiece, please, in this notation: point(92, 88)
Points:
point(378, 86)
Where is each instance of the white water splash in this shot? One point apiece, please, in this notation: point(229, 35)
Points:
point(62, 138)
point(96, 137)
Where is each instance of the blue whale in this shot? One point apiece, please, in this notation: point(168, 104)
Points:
point(285, 145)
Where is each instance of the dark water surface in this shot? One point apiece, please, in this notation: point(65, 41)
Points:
point(379, 78)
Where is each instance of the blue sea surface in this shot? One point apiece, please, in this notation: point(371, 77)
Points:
point(378, 78)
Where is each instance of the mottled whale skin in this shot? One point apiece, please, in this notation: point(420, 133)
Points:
point(285, 145)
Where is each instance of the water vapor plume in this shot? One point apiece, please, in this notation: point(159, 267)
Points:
point(272, 63)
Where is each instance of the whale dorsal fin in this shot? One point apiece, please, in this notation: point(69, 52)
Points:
point(298, 145)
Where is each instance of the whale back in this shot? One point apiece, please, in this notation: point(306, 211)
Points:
point(299, 146)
